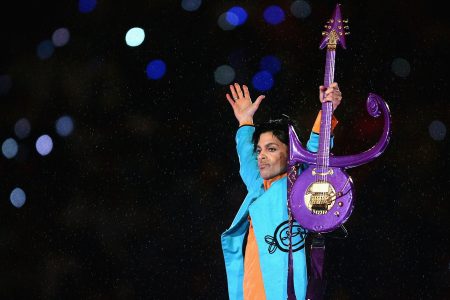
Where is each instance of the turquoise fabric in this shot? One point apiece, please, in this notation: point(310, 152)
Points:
point(268, 210)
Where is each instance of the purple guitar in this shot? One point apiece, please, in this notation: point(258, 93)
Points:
point(321, 198)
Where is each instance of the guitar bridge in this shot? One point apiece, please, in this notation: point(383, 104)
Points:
point(320, 197)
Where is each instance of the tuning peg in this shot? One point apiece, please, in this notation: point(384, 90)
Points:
point(346, 27)
point(345, 21)
point(324, 33)
point(347, 33)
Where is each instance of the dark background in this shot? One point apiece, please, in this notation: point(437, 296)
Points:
point(132, 204)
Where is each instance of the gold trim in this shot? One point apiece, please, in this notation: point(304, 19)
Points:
point(329, 172)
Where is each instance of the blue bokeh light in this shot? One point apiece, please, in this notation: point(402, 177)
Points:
point(17, 197)
point(86, 6)
point(60, 37)
point(437, 130)
point(22, 128)
point(263, 81)
point(232, 18)
point(44, 145)
point(156, 69)
point(64, 126)
point(236, 16)
point(274, 15)
point(191, 5)
point(10, 148)
point(135, 36)
point(271, 64)
point(45, 49)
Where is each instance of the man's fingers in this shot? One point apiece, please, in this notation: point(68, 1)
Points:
point(238, 90)
point(230, 99)
point(259, 100)
point(233, 92)
point(246, 92)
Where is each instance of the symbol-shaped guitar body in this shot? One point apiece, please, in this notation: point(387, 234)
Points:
point(321, 197)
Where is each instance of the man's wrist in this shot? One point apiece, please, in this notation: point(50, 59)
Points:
point(245, 122)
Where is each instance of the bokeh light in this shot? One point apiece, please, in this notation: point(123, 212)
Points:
point(60, 37)
point(44, 145)
point(5, 84)
point(224, 22)
point(10, 148)
point(156, 69)
point(239, 12)
point(274, 15)
point(86, 6)
point(224, 74)
point(270, 64)
point(135, 36)
point(17, 197)
point(300, 9)
point(262, 81)
point(64, 126)
point(45, 49)
point(22, 128)
point(401, 67)
point(437, 130)
point(191, 5)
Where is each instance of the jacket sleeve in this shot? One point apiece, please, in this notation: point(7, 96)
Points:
point(313, 142)
point(248, 164)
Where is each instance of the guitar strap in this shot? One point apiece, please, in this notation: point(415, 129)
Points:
point(292, 176)
point(316, 281)
point(290, 283)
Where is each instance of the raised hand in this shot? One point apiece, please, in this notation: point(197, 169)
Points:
point(242, 104)
point(332, 93)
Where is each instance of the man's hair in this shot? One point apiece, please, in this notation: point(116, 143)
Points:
point(279, 128)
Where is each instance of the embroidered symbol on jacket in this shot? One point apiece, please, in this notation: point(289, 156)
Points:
point(280, 238)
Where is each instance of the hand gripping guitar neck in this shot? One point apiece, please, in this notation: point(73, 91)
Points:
point(321, 197)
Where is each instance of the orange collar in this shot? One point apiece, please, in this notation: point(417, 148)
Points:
point(268, 183)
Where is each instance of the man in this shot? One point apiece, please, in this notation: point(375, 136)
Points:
point(254, 247)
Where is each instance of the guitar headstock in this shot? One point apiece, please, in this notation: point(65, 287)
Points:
point(335, 31)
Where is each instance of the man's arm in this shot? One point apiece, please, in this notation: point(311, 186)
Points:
point(248, 165)
point(244, 109)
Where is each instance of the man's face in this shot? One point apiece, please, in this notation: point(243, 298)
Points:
point(272, 156)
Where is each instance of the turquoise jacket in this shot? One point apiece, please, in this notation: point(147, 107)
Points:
point(268, 211)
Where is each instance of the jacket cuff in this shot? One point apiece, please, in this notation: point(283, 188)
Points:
point(316, 127)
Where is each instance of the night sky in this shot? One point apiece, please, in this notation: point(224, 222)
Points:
point(131, 203)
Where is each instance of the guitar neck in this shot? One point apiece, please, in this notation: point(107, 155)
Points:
point(327, 113)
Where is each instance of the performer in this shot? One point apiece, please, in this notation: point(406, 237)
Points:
point(256, 245)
